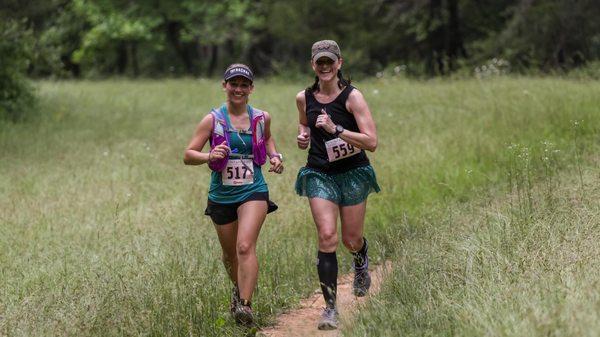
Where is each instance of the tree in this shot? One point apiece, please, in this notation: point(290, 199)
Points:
point(16, 95)
point(553, 34)
point(191, 37)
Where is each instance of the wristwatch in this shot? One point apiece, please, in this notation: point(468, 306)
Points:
point(338, 129)
point(279, 155)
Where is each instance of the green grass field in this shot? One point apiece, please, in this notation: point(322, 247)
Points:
point(489, 211)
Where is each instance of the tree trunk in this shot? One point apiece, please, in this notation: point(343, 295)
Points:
point(455, 40)
point(212, 65)
point(133, 57)
point(173, 32)
point(435, 55)
point(122, 57)
point(69, 66)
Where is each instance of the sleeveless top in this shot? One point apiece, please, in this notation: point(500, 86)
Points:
point(317, 153)
point(219, 135)
point(240, 143)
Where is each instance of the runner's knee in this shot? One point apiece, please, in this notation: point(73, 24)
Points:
point(327, 239)
point(352, 241)
point(245, 248)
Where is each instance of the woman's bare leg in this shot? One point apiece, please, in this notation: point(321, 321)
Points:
point(251, 216)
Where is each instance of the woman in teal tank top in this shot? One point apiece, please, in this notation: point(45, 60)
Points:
point(238, 197)
point(241, 144)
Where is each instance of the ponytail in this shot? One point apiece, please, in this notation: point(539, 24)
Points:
point(315, 86)
point(342, 82)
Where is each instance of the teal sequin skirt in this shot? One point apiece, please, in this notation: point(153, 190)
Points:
point(345, 189)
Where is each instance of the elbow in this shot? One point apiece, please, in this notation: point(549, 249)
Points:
point(372, 146)
point(186, 158)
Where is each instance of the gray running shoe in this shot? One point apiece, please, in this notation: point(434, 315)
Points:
point(243, 313)
point(329, 319)
point(362, 279)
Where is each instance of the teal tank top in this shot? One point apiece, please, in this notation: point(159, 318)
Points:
point(241, 143)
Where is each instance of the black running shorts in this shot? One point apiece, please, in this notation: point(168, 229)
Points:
point(222, 214)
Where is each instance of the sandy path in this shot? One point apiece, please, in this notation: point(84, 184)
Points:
point(303, 321)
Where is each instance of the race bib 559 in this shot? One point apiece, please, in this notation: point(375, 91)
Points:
point(338, 149)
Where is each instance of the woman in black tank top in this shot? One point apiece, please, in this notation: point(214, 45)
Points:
point(335, 121)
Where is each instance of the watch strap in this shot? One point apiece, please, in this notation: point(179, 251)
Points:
point(278, 155)
point(338, 129)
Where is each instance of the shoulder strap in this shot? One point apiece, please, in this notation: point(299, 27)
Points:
point(308, 94)
point(219, 115)
point(225, 117)
point(343, 96)
point(219, 124)
point(254, 112)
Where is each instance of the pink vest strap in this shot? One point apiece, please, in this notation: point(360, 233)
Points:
point(220, 134)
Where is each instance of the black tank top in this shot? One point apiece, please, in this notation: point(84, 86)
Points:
point(317, 154)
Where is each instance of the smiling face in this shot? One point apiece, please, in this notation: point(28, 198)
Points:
point(238, 89)
point(326, 69)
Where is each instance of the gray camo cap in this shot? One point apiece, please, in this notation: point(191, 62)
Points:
point(327, 48)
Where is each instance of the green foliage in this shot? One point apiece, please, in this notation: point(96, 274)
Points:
point(547, 35)
point(432, 37)
point(114, 36)
point(591, 71)
point(16, 94)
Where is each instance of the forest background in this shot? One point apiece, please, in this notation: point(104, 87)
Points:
point(415, 38)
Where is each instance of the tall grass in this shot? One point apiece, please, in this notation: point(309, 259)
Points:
point(520, 257)
point(102, 229)
point(503, 265)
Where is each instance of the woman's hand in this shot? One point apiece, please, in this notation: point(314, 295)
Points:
point(324, 122)
point(276, 165)
point(219, 152)
point(303, 140)
point(193, 153)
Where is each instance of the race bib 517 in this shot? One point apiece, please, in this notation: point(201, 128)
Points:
point(238, 172)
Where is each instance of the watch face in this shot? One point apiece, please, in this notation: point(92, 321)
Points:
point(339, 128)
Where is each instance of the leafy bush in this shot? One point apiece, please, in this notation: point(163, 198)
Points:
point(590, 71)
point(16, 94)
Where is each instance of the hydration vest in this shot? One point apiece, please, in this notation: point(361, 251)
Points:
point(220, 133)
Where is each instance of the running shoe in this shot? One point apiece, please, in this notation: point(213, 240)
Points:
point(243, 313)
point(329, 319)
point(362, 279)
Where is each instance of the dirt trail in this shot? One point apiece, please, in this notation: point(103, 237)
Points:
point(303, 321)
